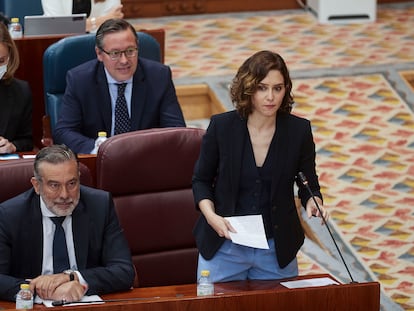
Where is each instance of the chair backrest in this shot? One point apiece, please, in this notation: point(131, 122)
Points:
point(72, 51)
point(21, 8)
point(149, 175)
point(15, 177)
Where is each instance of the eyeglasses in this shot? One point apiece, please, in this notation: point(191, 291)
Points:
point(115, 55)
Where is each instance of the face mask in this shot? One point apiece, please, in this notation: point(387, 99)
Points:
point(3, 70)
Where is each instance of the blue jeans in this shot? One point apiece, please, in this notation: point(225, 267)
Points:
point(234, 262)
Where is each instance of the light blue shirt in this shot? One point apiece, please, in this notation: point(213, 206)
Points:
point(113, 91)
point(48, 233)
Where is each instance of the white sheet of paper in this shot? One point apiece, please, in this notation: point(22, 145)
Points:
point(309, 283)
point(250, 231)
point(28, 156)
point(48, 303)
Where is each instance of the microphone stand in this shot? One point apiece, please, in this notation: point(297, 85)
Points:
point(306, 184)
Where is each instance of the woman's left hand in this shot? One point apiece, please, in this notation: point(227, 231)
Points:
point(312, 209)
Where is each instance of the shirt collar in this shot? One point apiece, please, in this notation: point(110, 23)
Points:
point(111, 80)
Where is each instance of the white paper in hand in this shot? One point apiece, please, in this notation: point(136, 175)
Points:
point(250, 231)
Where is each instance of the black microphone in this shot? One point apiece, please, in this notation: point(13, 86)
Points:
point(57, 303)
point(304, 181)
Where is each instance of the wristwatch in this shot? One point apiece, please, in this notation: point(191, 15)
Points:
point(71, 274)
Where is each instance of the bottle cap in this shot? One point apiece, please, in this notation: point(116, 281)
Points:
point(24, 286)
point(102, 134)
point(205, 273)
point(15, 20)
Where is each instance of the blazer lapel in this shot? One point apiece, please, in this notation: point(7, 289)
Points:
point(80, 225)
point(281, 153)
point(138, 98)
point(238, 135)
point(35, 235)
point(103, 98)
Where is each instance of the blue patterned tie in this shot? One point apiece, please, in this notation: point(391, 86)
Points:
point(122, 121)
point(60, 250)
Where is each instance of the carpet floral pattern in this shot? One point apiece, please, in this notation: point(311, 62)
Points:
point(217, 45)
point(364, 135)
point(346, 82)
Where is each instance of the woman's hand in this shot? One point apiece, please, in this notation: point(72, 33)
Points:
point(93, 23)
point(6, 146)
point(312, 209)
point(221, 225)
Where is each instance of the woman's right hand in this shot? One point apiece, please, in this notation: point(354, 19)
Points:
point(221, 225)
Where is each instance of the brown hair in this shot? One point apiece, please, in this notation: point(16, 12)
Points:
point(251, 73)
point(14, 61)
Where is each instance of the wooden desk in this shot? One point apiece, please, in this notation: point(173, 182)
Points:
point(243, 295)
point(31, 51)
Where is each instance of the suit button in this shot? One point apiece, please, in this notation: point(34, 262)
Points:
point(274, 208)
point(276, 227)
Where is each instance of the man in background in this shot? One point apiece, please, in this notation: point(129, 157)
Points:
point(117, 92)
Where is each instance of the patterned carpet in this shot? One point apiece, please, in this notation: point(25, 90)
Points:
point(348, 81)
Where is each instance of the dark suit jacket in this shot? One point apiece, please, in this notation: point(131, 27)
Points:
point(16, 114)
point(101, 250)
point(86, 104)
point(217, 176)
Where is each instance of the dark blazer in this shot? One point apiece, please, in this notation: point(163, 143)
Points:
point(86, 104)
point(217, 176)
point(101, 250)
point(16, 113)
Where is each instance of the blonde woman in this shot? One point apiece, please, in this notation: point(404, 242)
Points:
point(15, 100)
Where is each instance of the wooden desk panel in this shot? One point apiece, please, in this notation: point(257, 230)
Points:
point(243, 295)
point(31, 70)
point(31, 51)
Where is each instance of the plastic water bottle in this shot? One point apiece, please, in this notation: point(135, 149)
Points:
point(15, 28)
point(101, 138)
point(204, 286)
point(24, 298)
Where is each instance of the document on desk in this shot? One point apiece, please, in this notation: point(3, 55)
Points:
point(250, 231)
point(309, 283)
point(93, 299)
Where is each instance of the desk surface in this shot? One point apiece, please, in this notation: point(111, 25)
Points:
point(241, 295)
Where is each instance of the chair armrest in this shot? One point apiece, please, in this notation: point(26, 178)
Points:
point(47, 139)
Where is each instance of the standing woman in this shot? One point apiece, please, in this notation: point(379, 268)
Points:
point(15, 100)
point(97, 11)
point(249, 161)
